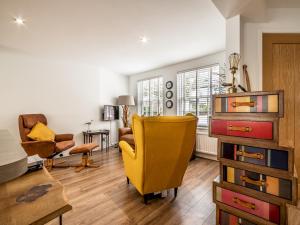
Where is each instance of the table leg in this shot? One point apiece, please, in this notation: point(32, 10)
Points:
point(60, 219)
point(107, 142)
point(84, 141)
point(101, 142)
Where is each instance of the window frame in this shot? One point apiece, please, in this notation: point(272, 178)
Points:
point(182, 91)
point(162, 92)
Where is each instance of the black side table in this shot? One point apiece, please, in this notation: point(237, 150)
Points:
point(88, 137)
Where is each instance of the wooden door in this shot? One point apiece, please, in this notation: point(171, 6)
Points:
point(281, 71)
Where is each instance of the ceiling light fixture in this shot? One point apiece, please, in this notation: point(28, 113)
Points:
point(144, 39)
point(19, 21)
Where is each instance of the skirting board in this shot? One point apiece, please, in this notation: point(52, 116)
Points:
point(206, 156)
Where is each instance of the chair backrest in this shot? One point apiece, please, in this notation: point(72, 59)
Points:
point(165, 145)
point(27, 122)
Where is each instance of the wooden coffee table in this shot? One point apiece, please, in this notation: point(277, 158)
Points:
point(34, 198)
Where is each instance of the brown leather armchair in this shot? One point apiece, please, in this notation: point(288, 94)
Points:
point(44, 149)
point(125, 134)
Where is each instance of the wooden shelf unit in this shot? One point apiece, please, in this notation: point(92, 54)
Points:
point(260, 171)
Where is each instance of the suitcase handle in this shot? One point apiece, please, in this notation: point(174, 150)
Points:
point(244, 203)
point(259, 183)
point(237, 104)
point(242, 129)
point(250, 155)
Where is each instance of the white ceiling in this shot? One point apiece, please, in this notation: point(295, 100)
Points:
point(106, 32)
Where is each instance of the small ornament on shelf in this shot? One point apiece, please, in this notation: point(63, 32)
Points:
point(89, 125)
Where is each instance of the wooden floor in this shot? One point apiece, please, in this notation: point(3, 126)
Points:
point(102, 196)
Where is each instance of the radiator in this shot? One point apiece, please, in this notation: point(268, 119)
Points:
point(206, 146)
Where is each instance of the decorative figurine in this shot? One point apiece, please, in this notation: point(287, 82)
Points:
point(89, 124)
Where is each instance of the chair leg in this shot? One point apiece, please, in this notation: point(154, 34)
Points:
point(127, 180)
point(146, 199)
point(151, 196)
point(86, 162)
point(49, 164)
point(79, 168)
point(175, 192)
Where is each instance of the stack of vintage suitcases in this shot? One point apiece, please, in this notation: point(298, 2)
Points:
point(256, 175)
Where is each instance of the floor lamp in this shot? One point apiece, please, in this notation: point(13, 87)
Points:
point(125, 101)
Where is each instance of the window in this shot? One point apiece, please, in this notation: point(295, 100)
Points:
point(150, 96)
point(195, 89)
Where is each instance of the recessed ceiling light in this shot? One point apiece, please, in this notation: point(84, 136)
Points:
point(19, 21)
point(144, 39)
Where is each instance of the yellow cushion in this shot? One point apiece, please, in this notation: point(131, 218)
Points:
point(40, 132)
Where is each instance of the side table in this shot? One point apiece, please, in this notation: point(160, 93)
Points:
point(104, 136)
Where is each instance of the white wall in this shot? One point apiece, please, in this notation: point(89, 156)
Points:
point(68, 94)
point(170, 73)
point(279, 21)
point(233, 45)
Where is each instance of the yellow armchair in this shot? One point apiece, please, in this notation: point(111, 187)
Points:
point(163, 148)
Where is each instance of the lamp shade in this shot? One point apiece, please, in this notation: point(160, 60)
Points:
point(234, 60)
point(126, 100)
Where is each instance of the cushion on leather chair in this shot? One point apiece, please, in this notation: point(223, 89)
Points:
point(40, 132)
point(128, 138)
point(64, 145)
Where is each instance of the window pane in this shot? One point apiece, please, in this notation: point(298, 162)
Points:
point(203, 79)
point(150, 97)
point(161, 96)
point(217, 80)
point(189, 90)
point(195, 89)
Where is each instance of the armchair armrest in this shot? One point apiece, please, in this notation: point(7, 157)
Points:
point(43, 148)
point(124, 130)
point(127, 149)
point(63, 137)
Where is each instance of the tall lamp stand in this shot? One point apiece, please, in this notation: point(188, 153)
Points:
point(125, 101)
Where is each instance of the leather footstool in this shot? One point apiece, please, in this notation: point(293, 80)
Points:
point(85, 150)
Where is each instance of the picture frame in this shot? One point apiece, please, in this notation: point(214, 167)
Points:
point(169, 94)
point(169, 84)
point(169, 104)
